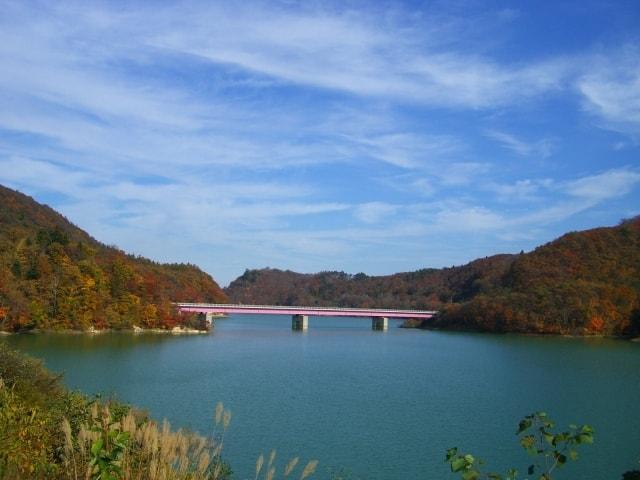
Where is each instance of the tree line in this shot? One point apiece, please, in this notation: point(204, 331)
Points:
point(55, 276)
point(581, 283)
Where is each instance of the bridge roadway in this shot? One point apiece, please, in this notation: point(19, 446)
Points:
point(300, 315)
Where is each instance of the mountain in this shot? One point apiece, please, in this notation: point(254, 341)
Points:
point(582, 283)
point(54, 275)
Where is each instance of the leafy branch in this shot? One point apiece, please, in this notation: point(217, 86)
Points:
point(552, 450)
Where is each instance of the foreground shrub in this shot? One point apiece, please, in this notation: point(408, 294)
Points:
point(33, 404)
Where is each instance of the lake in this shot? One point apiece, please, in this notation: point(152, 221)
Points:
point(378, 405)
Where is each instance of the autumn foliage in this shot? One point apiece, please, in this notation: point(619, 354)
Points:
point(55, 276)
point(584, 283)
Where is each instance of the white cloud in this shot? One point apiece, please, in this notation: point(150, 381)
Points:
point(438, 174)
point(339, 50)
point(540, 208)
point(352, 52)
point(603, 186)
point(541, 148)
point(423, 186)
point(469, 219)
point(520, 190)
point(22, 171)
point(188, 202)
point(611, 90)
point(374, 212)
point(406, 150)
point(580, 195)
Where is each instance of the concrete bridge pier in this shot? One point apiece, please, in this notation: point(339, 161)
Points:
point(379, 323)
point(299, 322)
point(206, 320)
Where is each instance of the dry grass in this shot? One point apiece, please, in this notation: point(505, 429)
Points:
point(151, 451)
point(270, 470)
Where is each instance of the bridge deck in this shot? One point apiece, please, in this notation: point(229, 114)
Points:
point(299, 310)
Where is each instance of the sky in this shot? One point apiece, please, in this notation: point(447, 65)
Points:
point(371, 137)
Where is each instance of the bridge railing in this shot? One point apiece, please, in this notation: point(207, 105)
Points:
point(301, 307)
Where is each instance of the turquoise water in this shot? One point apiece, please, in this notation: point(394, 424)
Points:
point(381, 405)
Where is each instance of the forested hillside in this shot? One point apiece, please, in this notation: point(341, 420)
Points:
point(55, 276)
point(428, 288)
point(582, 283)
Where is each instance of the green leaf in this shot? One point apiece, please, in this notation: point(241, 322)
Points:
point(471, 475)
point(451, 452)
point(587, 429)
point(561, 437)
point(584, 438)
point(573, 455)
point(524, 424)
point(96, 447)
point(529, 444)
point(458, 464)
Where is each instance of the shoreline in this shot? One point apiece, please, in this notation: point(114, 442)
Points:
point(410, 326)
point(94, 331)
point(534, 334)
point(181, 330)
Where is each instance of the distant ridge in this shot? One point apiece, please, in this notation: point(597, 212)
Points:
point(54, 275)
point(583, 283)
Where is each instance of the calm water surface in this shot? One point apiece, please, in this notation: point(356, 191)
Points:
point(381, 405)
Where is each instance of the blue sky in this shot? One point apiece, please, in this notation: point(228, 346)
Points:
point(357, 136)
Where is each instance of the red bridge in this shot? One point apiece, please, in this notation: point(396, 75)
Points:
point(300, 315)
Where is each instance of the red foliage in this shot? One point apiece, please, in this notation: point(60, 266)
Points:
point(596, 325)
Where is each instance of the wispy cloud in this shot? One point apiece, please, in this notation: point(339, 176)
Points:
point(570, 198)
point(519, 190)
point(540, 148)
point(611, 90)
point(245, 134)
point(374, 212)
point(469, 219)
point(603, 186)
point(352, 52)
point(406, 150)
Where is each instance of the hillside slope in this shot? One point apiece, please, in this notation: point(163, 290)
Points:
point(422, 289)
point(582, 283)
point(54, 275)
